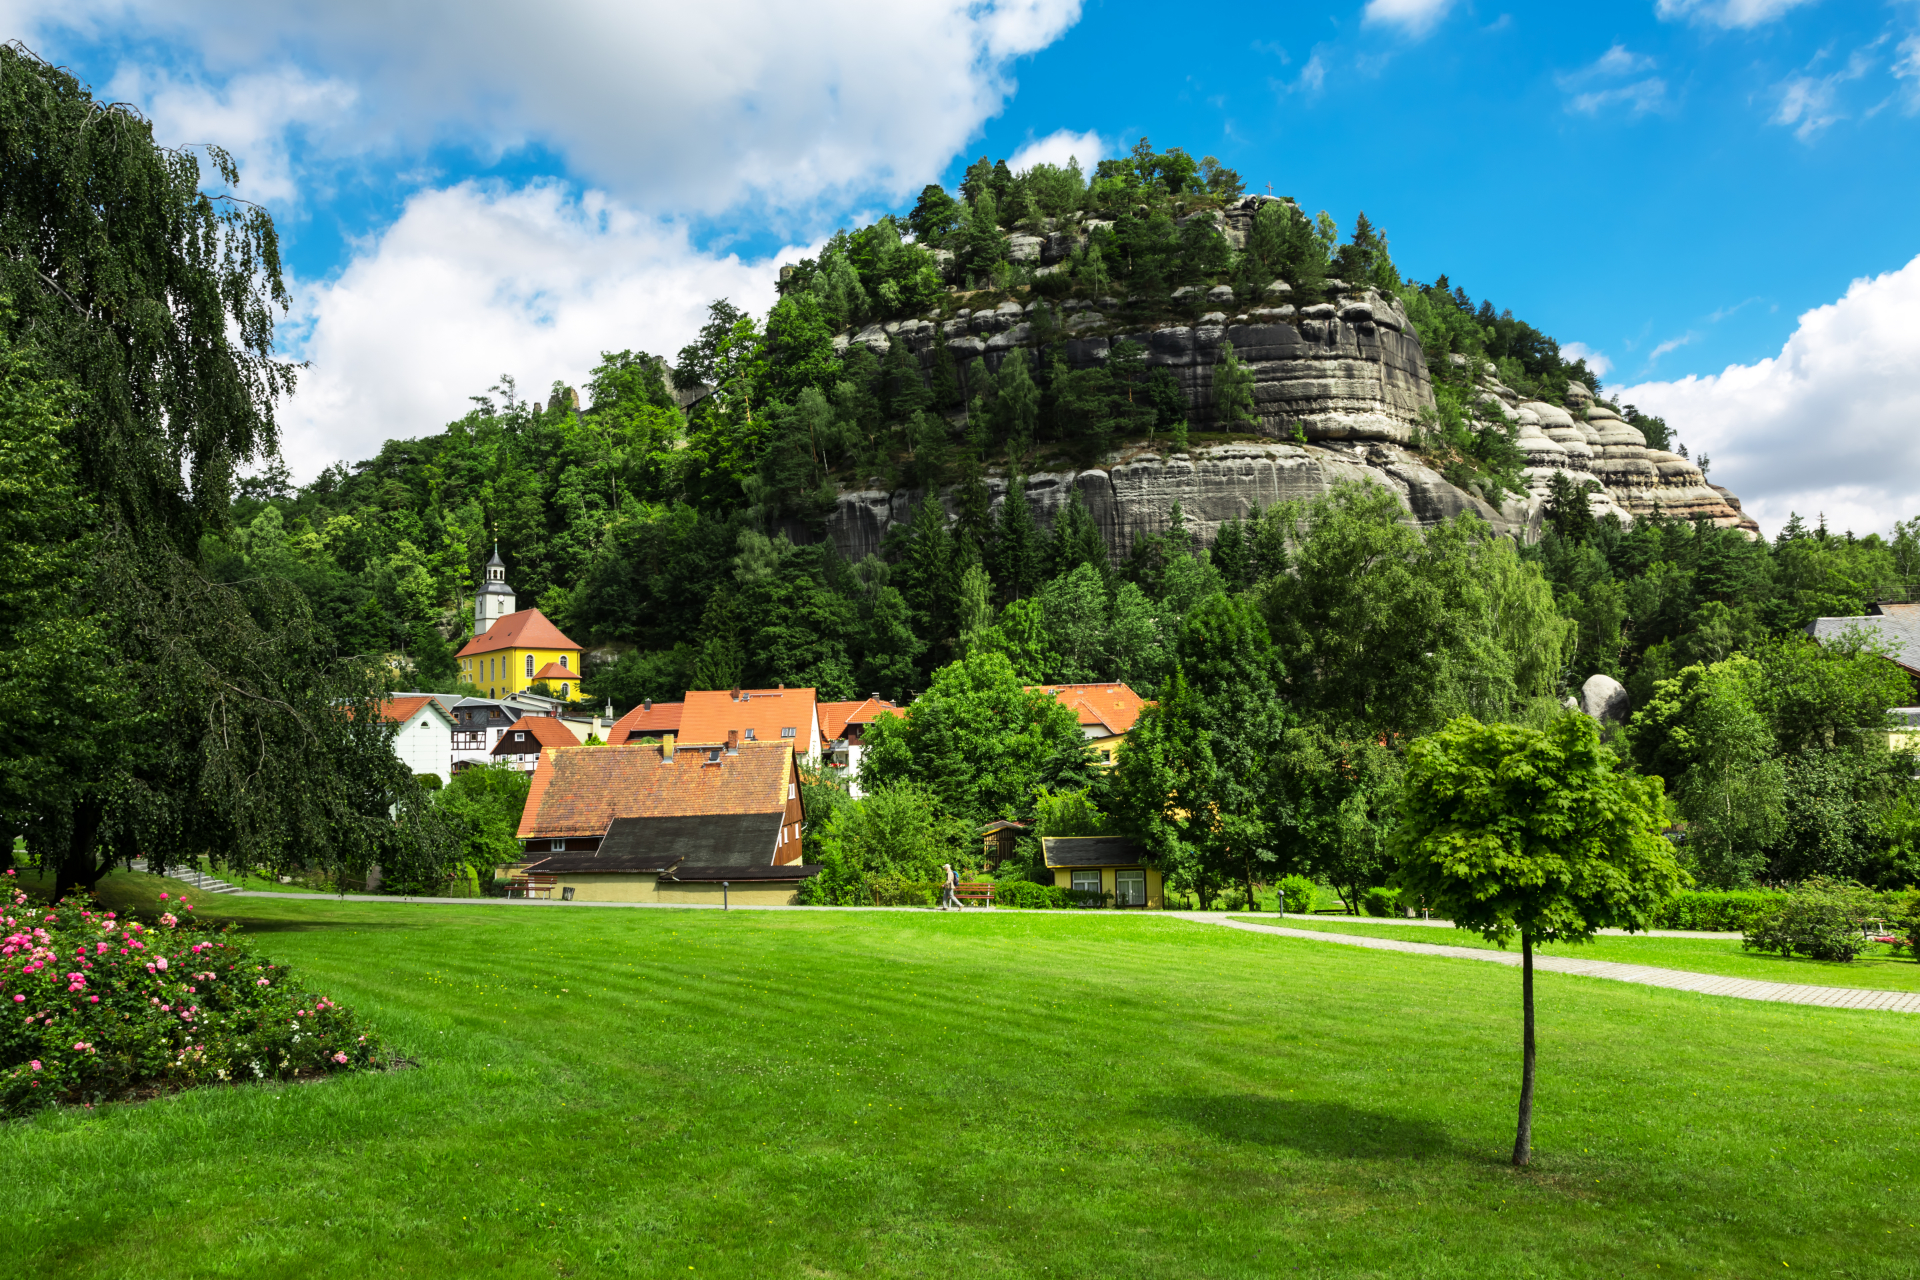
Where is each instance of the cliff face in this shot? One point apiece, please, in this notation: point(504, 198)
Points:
point(1348, 376)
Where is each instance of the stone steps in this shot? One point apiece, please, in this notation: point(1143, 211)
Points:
point(198, 879)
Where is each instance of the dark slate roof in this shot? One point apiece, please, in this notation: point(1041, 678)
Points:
point(743, 875)
point(1092, 851)
point(1897, 625)
point(581, 863)
point(705, 839)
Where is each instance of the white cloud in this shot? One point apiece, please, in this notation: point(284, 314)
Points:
point(1060, 146)
point(1727, 13)
point(681, 107)
point(1581, 351)
point(1414, 17)
point(1908, 68)
point(254, 116)
point(1808, 102)
point(477, 280)
point(1639, 98)
point(1830, 424)
point(1671, 344)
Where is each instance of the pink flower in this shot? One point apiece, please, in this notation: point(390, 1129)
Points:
point(161, 964)
point(163, 897)
point(93, 999)
point(19, 999)
point(340, 1057)
point(35, 1064)
point(258, 982)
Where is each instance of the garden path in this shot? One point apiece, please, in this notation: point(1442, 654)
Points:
point(1644, 974)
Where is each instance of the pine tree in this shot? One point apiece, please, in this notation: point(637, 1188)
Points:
point(1018, 552)
point(1233, 403)
point(1019, 402)
point(945, 381)
point(973, 525)
point(1077, 540)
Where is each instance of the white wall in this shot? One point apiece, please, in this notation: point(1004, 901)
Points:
point(425, 744)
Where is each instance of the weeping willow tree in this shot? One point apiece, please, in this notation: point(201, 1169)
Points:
point(144, 708)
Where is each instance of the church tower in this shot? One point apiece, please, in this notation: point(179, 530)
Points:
point(494, 600)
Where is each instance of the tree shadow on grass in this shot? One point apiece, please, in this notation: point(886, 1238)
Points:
point(1310, 1127)
point(267, 924)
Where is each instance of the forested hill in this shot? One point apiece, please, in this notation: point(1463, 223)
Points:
point(668, 514)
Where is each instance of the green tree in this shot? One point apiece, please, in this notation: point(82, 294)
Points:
point(1507, 830)
point(482, 807)
point(1233, 404)
point(153, 300)
point(979, 741)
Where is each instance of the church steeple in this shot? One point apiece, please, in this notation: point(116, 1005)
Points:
point(494, 600)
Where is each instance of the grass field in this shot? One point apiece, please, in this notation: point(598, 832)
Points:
point(1878, 969)
point(679, 1093)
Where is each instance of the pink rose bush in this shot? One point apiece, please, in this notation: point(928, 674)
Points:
point(93, 1007)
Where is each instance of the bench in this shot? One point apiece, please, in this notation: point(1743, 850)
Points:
point(531, 886)
point(974, 893)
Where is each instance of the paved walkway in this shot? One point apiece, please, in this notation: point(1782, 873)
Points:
point(1645, 974)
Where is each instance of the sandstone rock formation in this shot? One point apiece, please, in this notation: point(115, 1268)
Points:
point(1340, 390)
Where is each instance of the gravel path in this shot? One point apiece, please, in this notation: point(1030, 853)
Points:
point(1644, 974)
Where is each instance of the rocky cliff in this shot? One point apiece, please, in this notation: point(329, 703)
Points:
point(1339, 388)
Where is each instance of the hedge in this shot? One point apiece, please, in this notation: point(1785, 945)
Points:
point(1718, 910)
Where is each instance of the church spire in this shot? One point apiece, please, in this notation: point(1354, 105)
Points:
point(494, 600)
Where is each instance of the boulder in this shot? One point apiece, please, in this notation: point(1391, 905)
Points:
point(1220, 293)
point(1605, 699)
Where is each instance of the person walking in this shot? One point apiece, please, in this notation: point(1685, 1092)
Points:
point(951, 896)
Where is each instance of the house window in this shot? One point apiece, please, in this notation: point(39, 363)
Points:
point(713, 756)
point(519, 735)
point(1130, 888)
point(789, 733)
point(1087, 881)
point(749, 735)
point(563, 689)
point(529, 664)
point(557, 846)
point(563, 662)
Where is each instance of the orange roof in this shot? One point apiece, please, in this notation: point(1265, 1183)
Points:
point(579, 791)
point(836, 716)
point(541, 731)
point(527, 629)
point(554, 671)
point(1111, 706)
point(711, 714)
point(401, 710)
point(647, 722)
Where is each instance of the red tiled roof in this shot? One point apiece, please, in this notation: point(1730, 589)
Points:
point(836, 716)
point(541, 731)
point(1111, 706)
point(527, 629)
point(554, 671)
point(401, 710)
point(579, 791)
point(647, 722)
point(711, 714)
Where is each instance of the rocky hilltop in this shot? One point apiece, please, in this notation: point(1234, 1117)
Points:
point(1340, 389)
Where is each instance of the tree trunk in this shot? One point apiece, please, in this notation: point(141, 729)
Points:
point(1523, 1139)
point(76, 869)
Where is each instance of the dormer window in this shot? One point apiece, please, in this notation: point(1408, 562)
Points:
point(557, 846)
point(749, 735)
point(519, 735)
point(713, 756)
point(789, 733)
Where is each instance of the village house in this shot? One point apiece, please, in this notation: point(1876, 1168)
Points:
point(843, 727)
point(646, 823)
point(519, 748)
point(1108, 865)
point(648, 720)
point(423, 733)
point(1106, 712)
point(711, 718)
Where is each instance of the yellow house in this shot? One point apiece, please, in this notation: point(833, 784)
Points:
point(1106, 865)
point(516, 651)
point(1106, 712)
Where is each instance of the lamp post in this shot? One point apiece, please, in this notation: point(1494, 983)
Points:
point(724, 904)
point(1282, 895)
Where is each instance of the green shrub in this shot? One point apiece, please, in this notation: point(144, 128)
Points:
point(1718, 910)
point(1301, 894)
point(1027, 895)
point(1381, 902)
point(1821, 918)
point(902, 891)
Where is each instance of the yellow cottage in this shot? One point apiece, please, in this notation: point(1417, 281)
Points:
point(511, 650)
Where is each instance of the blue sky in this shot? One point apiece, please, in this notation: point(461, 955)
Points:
point(1715, 199)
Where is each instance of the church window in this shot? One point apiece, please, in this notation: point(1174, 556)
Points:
point(529, 664)
point(563, 662)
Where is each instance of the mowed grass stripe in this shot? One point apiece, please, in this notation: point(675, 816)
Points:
point(802, 1094)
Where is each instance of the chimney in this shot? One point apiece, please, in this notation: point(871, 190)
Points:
point(666, 746)
point(733, 741)
point(736, 693)
point(648, 705)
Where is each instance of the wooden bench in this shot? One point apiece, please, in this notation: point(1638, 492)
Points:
point(531, 886)
point(974, 893)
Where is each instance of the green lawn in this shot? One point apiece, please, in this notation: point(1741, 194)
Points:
point(1878, 969)
point(679, 1093)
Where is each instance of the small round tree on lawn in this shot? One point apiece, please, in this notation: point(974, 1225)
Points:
point(1514, 830)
